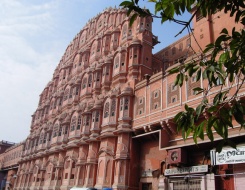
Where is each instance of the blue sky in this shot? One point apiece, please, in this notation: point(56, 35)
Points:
point(33, 38)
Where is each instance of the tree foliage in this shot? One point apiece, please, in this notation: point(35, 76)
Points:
point(225, 61)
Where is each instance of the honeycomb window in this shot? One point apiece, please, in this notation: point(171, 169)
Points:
point(173, 87)
point(173, 99)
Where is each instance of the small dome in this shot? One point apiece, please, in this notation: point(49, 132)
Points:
point(127, 91)
point(136, 41)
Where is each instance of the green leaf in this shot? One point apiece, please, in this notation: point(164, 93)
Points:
point(126, 4)
point(200, 132)
point(232, 144)
point(238, 15)
point(213, 109)
point(208, 47)
point(132, 19)
point(198, 74)
point(211, 68)
point(169, 11)
point(192, 70)
point(181, 79)
point(200, 109)
point(177, 117)
point(164, 18)
point(218, 127)
point(219, 40)
point(225, 116)
point(186, 107)
point(220, 146)
point(176, 82)
point(188, 5)
point(182, 6)
point(198, 89)
point(224, 31)
point(238, 114)
point(158, 7)
point(174, 70)
point(224, 57)
point(188, 132)
point(217, 98)
point(209, 131)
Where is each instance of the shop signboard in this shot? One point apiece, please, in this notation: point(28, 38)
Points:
point(228, 155)
point(147, 173)
point(186, 170)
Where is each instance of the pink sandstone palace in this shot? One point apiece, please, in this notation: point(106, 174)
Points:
point(105, 120)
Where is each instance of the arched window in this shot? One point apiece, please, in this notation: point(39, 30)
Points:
point(90, 80)
point(86, 120)
point(129, 32)
point(188, 42)
point(44, 138)
point(79, 122)
point(93, 117)
point(93, 49)
point(98, 77)
point(73, 123)
point(77, 90)
point(118, 19)
point(84, 83)
point(55, 130)
point(41, 138)
point(125, 103)
point(55, 103)
point(180, 46)
point(173, 50)
point(60, 131)
point(70, 95)
point(121, 104)
point(123, 60)
point(106, 110)
point(66, 94)
point(66, 130)
point(50, 107)
point(116, 62)
point(73, 171)
point(106, 70)
point(113, 107)
point(97, 116)
point(98, 46)
point(124, 32)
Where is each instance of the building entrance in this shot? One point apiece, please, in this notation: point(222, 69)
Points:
point(146, 186)
point(185, 184)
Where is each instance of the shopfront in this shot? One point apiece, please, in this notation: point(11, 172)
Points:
point(187, 178)
point(231, 166)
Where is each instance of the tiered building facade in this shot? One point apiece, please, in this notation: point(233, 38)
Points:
point(106, 117)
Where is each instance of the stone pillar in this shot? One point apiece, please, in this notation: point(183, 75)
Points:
point(16, 182)
point(69, 174)
point(163, 184)
point(19, 179)
point(210, 181)
point(34, 181)
point(28, 180)
point(24, 180)
point(41, 175)
point(86, 182)
point(78, 175)
point(57, 177)
point(121, 174)
point(121, 170)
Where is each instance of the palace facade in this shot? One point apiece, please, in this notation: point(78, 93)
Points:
point(105, 120)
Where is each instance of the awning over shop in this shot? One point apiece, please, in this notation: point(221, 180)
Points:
point(82, 188)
